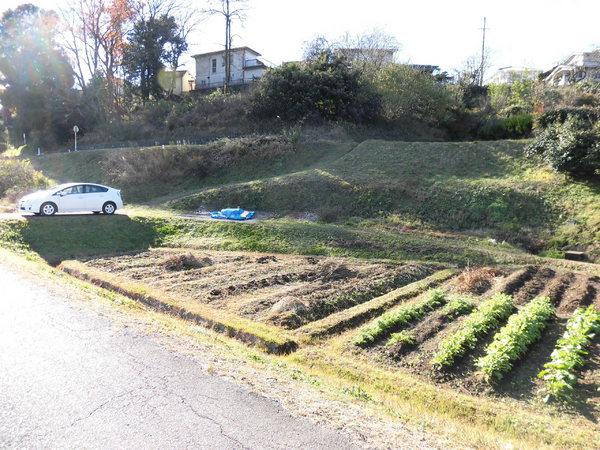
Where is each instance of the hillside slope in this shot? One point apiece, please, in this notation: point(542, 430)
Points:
point(487, 188)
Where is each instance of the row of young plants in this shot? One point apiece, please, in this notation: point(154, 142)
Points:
point(513, 340)
point(400, 317)
point(568, 356)
point(488, 316)
point(456, 306)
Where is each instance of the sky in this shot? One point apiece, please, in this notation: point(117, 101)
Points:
point(525, 33)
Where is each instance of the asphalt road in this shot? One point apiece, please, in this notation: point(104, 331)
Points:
point(70, 376)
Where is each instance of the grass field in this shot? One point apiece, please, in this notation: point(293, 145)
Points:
point(66, 237)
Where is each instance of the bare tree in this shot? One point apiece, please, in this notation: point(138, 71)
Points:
point(369, 52)
point(95, 37)
point(473, 69)
point(230, 10)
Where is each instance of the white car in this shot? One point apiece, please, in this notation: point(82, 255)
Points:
point(72, 197)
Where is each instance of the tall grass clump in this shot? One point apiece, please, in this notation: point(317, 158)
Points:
point(514, 339)
point(399, 317)
point(569, 353)
point(485, 318)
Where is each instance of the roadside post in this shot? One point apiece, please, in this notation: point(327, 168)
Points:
point(75, 130)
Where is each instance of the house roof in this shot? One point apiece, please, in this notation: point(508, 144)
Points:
point(223, 51)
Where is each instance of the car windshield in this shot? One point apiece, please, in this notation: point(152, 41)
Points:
point(59, 188)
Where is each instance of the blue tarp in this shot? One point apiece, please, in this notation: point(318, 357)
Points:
point(232, 214)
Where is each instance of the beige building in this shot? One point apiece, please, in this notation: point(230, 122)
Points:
point(578, 67)
point(176, 82)
point(246, 66)
point(510, 74)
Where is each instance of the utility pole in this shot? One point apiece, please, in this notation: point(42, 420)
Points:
point(482, 66)
point(230, 10)
point(227, 47)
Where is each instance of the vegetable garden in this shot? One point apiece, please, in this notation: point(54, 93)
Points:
point(486, 331)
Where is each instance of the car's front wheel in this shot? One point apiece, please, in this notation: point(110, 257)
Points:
point(48, 209)
point(109, 208)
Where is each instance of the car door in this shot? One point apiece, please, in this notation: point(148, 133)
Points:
point(73, 199)
point(95, 197)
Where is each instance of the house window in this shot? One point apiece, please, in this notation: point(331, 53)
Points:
point(214, 66)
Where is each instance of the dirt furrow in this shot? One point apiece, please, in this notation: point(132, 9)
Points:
point(534, 286)
point(582, 292)
point(557, 287)
point(515, 280)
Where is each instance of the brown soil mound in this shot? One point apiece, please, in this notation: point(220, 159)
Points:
point(557, 287)
point(336, 272)
point(185, 261)
point(515, 280)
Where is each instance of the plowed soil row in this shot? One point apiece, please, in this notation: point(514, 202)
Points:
point(285, 290)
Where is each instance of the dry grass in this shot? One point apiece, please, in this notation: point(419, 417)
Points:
point(284, 290)
point(256, 334)
point(172, 164)
point(475, 280)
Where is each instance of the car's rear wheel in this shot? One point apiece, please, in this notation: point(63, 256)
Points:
point(48, 209)
point(109, 208)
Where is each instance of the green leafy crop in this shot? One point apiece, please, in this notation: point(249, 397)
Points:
point(486, 317)
point(514, 339)
point(399, 317)
point(569, 353)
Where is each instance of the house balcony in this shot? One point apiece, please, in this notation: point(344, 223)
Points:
point(206, 84)
point(253, 63)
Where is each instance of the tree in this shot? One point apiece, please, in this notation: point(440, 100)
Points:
point(317, 47)
point(371, 51)
point(319, 90)
point(407, 93)
point(571, 146)
point(95, 38)
point(36, 76)
point(154, 43)
point(230, 10)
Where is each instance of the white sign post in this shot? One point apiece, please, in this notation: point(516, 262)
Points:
point(75, 130)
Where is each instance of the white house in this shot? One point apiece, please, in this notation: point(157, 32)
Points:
point(578, 67)
point(176, 82)
point(510, 74)
point(245, 68)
